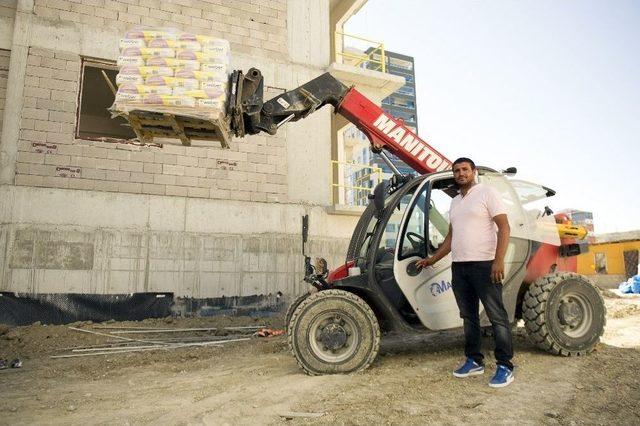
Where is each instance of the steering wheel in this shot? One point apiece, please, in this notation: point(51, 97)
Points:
point(416, 240)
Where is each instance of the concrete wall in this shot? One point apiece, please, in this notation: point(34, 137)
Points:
point(103, 217)
point(7, 15)
point(192, 247)
point(4, 73)
point(608, 281)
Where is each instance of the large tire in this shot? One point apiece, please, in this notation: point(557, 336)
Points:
point(292, 307)
point(334, 332)
point(564, 314)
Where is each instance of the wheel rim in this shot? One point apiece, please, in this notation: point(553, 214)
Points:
point(575, 314)
point(333, 337)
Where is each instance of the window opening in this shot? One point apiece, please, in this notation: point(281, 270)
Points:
point(94, 120)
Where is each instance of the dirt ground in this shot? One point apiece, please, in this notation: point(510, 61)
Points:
point(257, 381)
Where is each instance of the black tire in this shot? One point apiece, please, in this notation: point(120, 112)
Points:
point(334, 332)
point(564, 314)
point(292, 307)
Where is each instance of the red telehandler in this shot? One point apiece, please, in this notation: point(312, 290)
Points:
point(336, 326)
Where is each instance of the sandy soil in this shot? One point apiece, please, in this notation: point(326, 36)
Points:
point(257, 381)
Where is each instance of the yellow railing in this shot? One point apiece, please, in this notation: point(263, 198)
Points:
point(358, 191)
point(367, 59)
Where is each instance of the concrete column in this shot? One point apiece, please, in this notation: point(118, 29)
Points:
point(15, 89)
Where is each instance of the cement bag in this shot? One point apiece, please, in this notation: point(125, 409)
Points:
point(142, 89)
point(145, 71)
point(129, 78)
point(201, 75)
point(176, 44)
point(147, 52)
point(132, 42)
point(190, 83)
point(157, 61)
point(169, 100)
point(131, 60)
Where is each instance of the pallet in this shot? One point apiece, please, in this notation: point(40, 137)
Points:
point(148, 124)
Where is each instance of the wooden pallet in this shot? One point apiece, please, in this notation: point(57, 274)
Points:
point(147, 125)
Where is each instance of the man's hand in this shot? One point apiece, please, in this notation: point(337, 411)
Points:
point(497, 271)
point(429, 261)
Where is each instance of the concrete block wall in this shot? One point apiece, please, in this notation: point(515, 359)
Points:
point(254, 169)
point(256, 27)
point(106, 218)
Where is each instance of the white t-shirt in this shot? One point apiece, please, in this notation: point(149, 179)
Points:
point(474, 231)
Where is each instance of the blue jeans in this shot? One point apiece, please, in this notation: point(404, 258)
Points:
point(471, 283)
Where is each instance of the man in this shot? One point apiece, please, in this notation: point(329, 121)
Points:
point(477, 239)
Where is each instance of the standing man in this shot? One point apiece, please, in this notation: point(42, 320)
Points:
point(477, 239)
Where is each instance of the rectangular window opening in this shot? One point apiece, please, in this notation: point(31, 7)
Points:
point(600, 261)
point(95, 98)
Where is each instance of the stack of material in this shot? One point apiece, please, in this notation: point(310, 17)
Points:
point(172, 73)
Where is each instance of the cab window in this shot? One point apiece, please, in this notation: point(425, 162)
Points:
point(389, 238)
point(424, 233)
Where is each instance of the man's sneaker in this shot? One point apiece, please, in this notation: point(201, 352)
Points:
point(469, 368)
point(502, 378)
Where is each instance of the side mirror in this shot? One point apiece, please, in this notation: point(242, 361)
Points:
point(550, 192)
point(379, 194)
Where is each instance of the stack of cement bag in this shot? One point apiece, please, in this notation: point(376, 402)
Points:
point(171, 71)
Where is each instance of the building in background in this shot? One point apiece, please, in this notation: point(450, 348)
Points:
point(400, 104)
point(612, 258)
point(584, 219)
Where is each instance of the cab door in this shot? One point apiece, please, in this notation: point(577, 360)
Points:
point(423, 228)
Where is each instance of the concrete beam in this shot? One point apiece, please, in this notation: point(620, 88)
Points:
point(309, 32)
point(23, 205)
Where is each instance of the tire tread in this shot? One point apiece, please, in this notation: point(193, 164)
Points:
point(338, 294)
point(534, 310)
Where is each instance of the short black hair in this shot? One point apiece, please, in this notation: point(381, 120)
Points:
point(464, 160)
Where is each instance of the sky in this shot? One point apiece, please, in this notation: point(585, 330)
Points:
point(551, 87)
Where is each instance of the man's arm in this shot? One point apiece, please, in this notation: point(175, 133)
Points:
point(497, 269)
point(442, 251)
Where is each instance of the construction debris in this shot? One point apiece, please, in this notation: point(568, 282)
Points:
point(169, 330)
point(124, 344)
point(289, 415)
point(268, 332)
point(111, 351)
point(4, 364)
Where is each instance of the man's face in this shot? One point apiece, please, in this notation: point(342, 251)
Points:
point(463, 174)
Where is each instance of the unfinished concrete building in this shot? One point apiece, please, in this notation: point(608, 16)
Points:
point(85, 210)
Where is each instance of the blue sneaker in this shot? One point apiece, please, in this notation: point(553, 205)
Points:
point(502, 378)
point(469, 368)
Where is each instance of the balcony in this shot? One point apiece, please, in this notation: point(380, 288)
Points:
point(357, 60)
point(360, 62)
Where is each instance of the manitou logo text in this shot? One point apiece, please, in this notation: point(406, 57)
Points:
point(412, 144)
point(438, 288)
